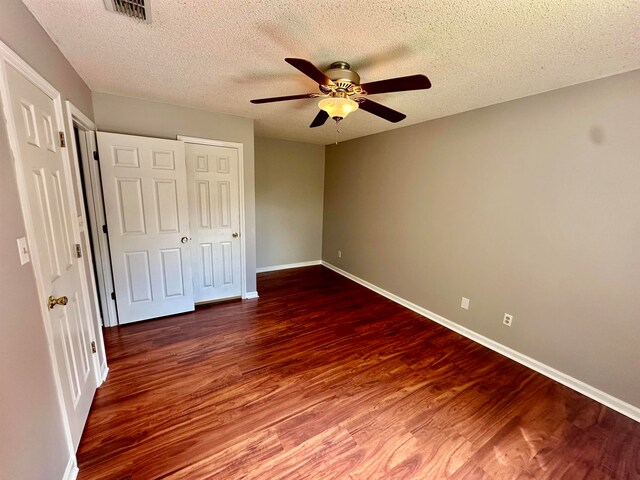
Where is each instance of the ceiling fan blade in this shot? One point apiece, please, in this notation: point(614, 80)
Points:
point(399, 84)
point(282, 99)
point(380, 110)
point(320, 119)
point(310, 70)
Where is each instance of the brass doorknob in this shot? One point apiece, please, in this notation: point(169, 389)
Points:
point(235, 234)
point(53, 301)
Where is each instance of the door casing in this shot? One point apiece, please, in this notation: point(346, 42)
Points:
point(87, 187)
point(95, 215)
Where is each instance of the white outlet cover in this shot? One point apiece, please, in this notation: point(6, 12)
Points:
point(508, 319)
point(464, 303)
point(339, 253)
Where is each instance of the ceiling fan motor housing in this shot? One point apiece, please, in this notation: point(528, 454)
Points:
point(345, 80)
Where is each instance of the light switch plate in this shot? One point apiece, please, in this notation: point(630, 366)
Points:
point(23, 250)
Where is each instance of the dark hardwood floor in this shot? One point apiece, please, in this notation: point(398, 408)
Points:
point(321, 378)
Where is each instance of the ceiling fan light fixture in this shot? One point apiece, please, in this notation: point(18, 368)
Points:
point(338, 107)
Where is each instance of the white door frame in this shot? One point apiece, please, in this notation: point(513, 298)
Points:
point(9, 58)
point(87, 259)
point(96, 214)
point(243, 230)
point(76, 117)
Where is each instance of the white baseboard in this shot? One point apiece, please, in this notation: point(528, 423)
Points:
point(273, 268)
point(250, 295)
point(71, 472)
point(610, 401)
point(104, 371)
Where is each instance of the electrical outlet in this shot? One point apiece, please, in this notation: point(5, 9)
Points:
point(339, 253)
point(464, 303)
point(508, 319)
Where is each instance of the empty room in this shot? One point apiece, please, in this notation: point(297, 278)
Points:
point(288, 240)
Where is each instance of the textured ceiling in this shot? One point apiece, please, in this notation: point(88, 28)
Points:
point(217, 55)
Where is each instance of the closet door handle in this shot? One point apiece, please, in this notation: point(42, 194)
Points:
point(235, 234)
point(184, 239)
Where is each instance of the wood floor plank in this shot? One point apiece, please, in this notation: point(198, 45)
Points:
point(323, 379)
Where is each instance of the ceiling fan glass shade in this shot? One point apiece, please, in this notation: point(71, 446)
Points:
point(338, 107)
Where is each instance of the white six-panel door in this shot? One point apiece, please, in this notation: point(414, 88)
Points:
point(145, 192)
point(214, 206)
point(46, 181)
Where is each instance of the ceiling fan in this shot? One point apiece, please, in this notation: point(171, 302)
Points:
point(339, 83)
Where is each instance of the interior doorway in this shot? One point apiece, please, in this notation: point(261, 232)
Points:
point(89, 186)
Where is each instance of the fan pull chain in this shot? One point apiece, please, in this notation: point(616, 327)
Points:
point(337, 130)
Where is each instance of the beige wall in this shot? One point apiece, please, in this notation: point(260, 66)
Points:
point(289, 196)
point(133, 116)
point(32, 441)
point(24, 35)
point(530, 207)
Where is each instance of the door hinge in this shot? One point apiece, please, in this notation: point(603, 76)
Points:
point(63, 143)
point(96, 156)
point(78, 250)
point(104, 229)
point(113, 295)
point(93, 347)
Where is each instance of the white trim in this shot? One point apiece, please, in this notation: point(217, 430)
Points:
point(208, 141)
point(610, 401)
point(9, 58)
point(80, 118)
point(243, 226)
point(250, 295)
point(99, 219)
point(93, 191)
point(71, 472)
point(104, 371)
point(273, 268)
point(75, 116)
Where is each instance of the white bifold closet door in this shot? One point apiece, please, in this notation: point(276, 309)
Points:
point(145, 192)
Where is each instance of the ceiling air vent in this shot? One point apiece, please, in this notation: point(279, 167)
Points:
point(138, 9)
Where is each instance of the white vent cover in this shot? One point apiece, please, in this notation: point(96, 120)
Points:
point(138, 9)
